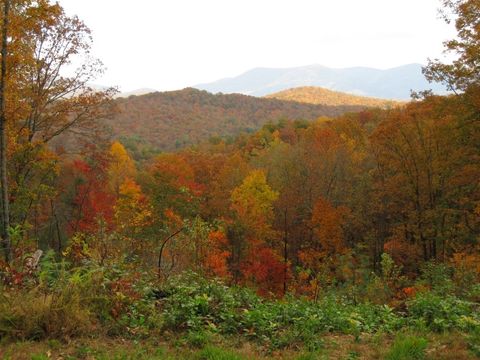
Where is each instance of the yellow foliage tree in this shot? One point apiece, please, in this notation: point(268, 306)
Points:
point(132, 211)
point(121, 167)
point(253, 203)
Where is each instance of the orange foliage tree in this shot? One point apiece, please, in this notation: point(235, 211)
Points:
point(320, 257)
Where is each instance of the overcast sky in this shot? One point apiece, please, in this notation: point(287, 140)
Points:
point(172, 44)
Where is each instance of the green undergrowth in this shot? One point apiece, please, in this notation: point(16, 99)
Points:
point(199, 305)
point(196, 313)
point(194, 304)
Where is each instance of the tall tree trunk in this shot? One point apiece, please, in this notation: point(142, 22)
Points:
point(3, 137)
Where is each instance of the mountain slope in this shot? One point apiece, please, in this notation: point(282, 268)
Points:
point(394, 83)
point(167, 120)
point(318, 95)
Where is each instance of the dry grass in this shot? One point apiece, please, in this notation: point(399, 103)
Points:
point(34, 315)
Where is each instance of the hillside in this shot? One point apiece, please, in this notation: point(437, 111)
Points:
point(168, 120)
point(394, 83)
point(318, 95)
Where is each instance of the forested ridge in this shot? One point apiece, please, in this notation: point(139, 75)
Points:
point(295, 239)
point(174, 119)
point(319, 95)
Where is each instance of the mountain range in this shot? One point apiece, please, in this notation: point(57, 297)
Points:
point(395, 83)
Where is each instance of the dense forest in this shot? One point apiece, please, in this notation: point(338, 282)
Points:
point(360, 228)
point(175, 119)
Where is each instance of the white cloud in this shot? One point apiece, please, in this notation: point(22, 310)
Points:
point(170, 44)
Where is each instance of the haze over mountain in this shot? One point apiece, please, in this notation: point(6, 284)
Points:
point(136, 92)
point(123, 94)
point(394, 83)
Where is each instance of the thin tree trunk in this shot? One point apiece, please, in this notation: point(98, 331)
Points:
point(285, 254)
point(160, 253)
point(3, 138)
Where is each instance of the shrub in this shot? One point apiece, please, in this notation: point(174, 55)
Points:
point(192, 302)
point(438, 277)
point(72, 301)
point(439, 313)
point(466, 273)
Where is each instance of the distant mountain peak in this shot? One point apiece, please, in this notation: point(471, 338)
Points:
point(395, 83)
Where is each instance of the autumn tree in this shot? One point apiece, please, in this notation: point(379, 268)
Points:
point(59, 102)
point(327, 222)
point(426, 166)
point(208, 166)
point(284, 169)
point(93, 203)
point(464, 71)
point(132, 213)
point(252, 202)
point(121, 167)
point(321, 255)
point(229, 175)
point(324, 161)
point(170, 183)
point(462, 75)
point(43, 97)
point(217, 255)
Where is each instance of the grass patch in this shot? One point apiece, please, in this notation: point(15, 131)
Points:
point(309, 356)
point(407, 347)
point(198, 339)
point(474, 343)
point(216, 353)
